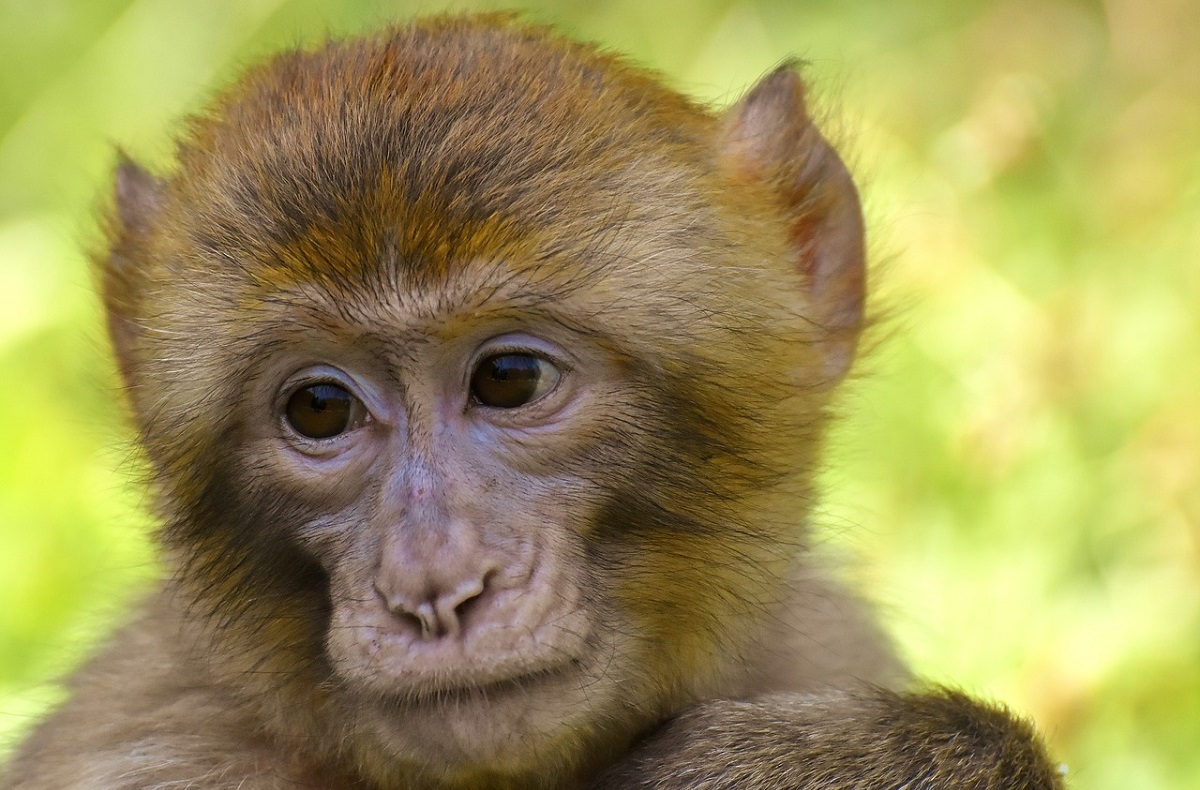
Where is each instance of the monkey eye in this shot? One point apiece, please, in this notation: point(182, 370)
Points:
point(323, 410)
point(506, 381)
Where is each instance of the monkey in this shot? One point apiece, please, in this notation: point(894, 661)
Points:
point(481, 379)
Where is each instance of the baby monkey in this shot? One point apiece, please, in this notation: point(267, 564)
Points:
point(482, 379)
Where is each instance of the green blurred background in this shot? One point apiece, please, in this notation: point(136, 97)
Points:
point(1016, 481)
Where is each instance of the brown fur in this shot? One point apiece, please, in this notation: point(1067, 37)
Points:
point(383, 208)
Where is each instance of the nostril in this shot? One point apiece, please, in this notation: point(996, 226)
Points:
point(415, 613)
point(454, 608)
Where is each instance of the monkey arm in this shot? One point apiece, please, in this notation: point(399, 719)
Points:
point(934, 740)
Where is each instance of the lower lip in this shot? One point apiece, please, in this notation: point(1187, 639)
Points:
point(477, 694)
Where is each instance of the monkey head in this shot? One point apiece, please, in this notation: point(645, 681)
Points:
point(481, 376)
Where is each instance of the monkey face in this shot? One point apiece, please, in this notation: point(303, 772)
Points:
point(445, 462)
point(453, 500)
point(456, 505)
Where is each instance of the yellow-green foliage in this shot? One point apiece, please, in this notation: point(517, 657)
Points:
point(1019, 476)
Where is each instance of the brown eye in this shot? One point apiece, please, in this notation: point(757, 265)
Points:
point(506, 381)
point(322, 411)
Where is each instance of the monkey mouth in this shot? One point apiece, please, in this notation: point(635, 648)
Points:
point(482, 693)
point(465, 692)
point(455, 725)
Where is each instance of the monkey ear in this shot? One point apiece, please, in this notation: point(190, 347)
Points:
point(769, 137)
point(137, 202)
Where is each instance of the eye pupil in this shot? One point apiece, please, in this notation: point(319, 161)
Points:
point(320, 411)
point(507, 381)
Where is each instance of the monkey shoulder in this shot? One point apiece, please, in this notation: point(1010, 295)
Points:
point(147, 712)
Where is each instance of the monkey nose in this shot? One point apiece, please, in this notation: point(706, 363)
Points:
point(438, 610)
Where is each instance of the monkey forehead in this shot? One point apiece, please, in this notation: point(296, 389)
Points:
point(448, 140)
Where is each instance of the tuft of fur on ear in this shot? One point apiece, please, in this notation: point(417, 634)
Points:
point(138, 198)
point(769, 137)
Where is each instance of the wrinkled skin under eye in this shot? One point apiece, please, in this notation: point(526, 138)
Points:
point(507, 381)
point(322, 411)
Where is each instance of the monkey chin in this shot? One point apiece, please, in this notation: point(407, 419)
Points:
point(494, 733)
